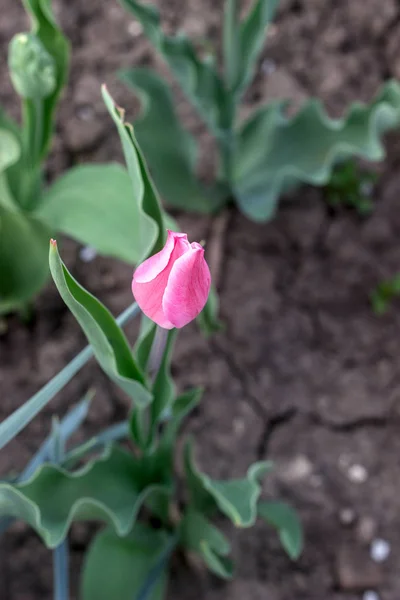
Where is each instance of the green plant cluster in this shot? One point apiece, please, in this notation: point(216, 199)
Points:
point(30, 211)
point(262, 157)
point(133, 493)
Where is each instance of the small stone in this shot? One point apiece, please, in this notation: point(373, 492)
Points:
point(370, 595)
point(268, 66)
point(347, 516)
point(300, 467)
point(134, 28)
point(380, 550)
point(85, 113)
point(357, 474)
point(356, 571)
point(87, 254)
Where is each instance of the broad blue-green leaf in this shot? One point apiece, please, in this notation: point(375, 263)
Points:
point(276, 152)
point(201, 536)
point(173, 165)
point(198, 78)
point(236, 498)
point(23, 258)
point(95, 205)
point(109, 343)
point(148, 226)
point(285, 520)
point(252, 33)
point(111, 489)
point(116, 568)
point(46, 29)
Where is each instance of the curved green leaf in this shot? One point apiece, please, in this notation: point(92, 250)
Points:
point(236, 498)
point(105, 191)
point(117, 568)
point(275, 152)
point(198, 78)
point(252, 33)
point(111, 489)
point(149, 222)
point(201, 536)
point(23, 258)
point(282, 516)
point(109, 343)
point(173, 165)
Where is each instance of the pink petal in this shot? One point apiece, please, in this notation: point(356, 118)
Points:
point(188, 287)
point(151, 278)
point(153, 266)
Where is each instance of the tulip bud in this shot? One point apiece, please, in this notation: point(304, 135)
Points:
point(32, 68)
point(172, 286)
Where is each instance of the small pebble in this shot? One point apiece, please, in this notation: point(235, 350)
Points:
point(87, 254)
point(380, 550)
point(357, 474)
point(85, 113)
point(370, 595)
point(134, 28)
point(347, 516)
point(268, 66)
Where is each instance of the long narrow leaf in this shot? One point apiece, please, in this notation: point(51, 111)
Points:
point(109, 343)
point(20, 418)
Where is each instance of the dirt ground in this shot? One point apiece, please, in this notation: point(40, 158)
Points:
point(304, 374)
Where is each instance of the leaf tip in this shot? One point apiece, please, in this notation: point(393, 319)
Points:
point(53, 243)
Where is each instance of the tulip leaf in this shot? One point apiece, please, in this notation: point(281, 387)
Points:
point(173, 165)
point(118, 567)
point(198, 78)
point(110, 489)
point(109, 343)
point(201, 536)
point(149, 221)
point(251, 36)
point(23, 258)
point(103, 190)
point(236, 498)
point(276, 152)
point(285, 520)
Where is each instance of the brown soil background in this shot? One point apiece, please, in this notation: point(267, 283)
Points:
point(304, 374)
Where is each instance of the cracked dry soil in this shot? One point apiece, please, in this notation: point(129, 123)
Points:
point(304, 373)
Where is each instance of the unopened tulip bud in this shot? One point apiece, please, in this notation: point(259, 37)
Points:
point(172, 286)
point(32, 68)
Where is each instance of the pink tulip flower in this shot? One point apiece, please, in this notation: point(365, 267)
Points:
point(172, 286)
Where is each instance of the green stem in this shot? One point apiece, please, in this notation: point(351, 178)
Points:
point(141, 420)
point(38, 129)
